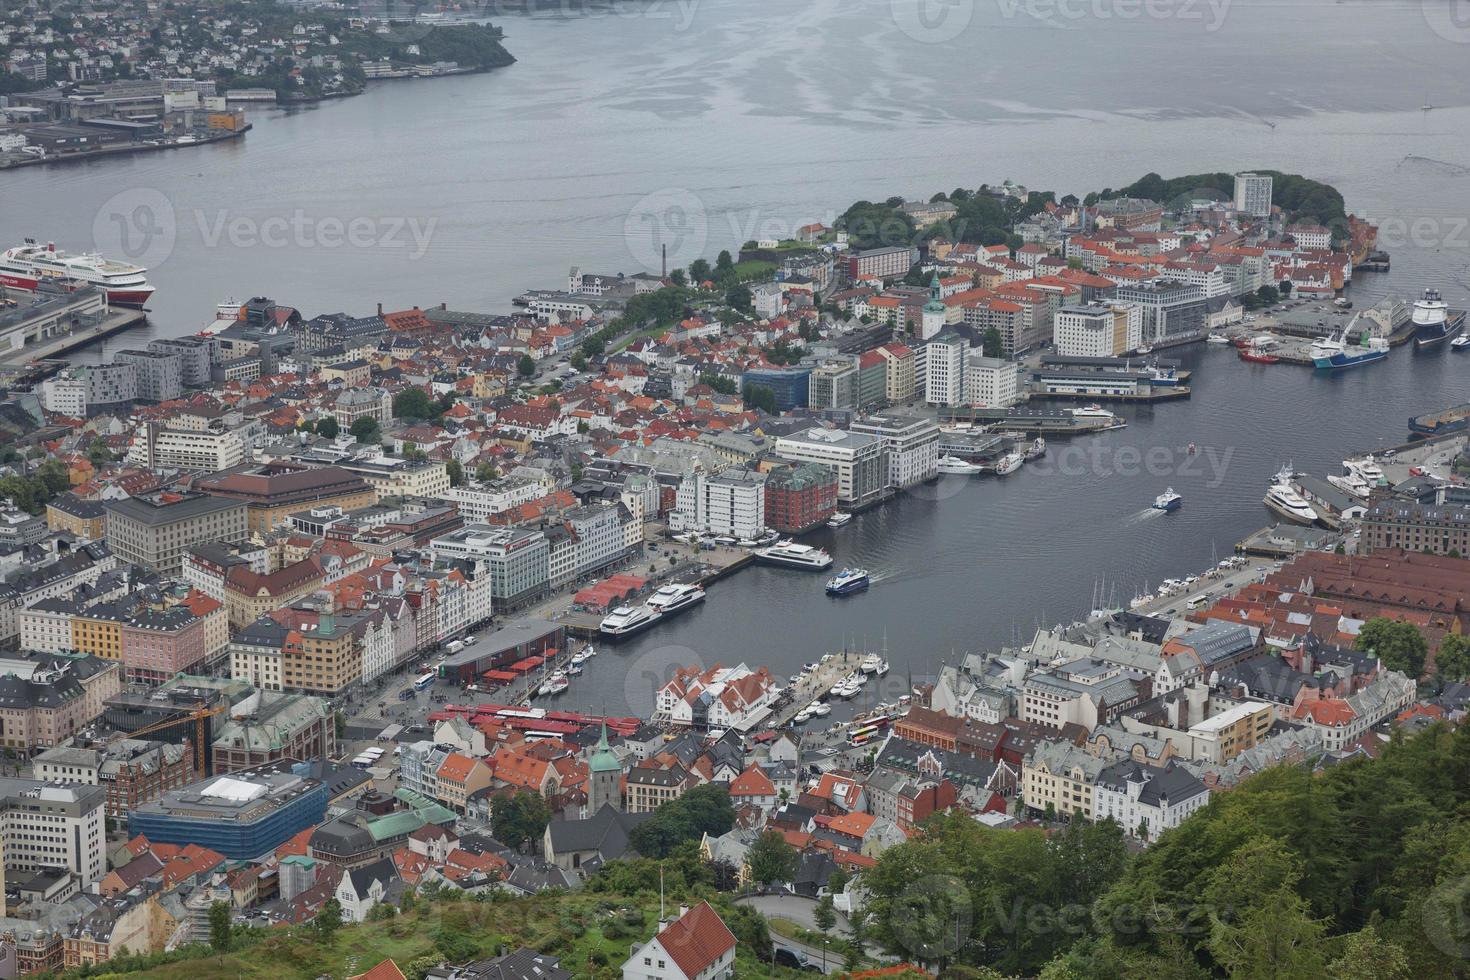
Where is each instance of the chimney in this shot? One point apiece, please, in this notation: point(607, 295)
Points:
point(380, 309)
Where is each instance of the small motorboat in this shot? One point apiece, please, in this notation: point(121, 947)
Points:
point(1460, 343)
point(838, 519)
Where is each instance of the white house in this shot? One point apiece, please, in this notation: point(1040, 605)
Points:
point(1154, 798)
point(695, 946)
point(362, 888)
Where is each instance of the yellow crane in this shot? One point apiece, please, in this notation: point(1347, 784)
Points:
point(201, 736)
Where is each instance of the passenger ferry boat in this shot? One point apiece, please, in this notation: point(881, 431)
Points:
point(848, 581)
point(675, 598)
point(628, 620)
point(27, 266)
point(1168, 500)
point(794, 555)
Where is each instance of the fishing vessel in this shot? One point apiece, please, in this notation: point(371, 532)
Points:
point(627, 621)
point(848, 581)
point(1282, 498)
point(954, 466)
point(1168, 500)
point(839, 519)
point(1258, 351)
point(793, 555)
point(1335, 353)
point(675, 598)
point(1009, 463)
point(1434, 322)
point(27, 266)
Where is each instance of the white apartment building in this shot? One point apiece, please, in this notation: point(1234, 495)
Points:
point(1098, 330)
point(45, 825)
point(944, 376)
point(732, 503)
point(1152, 798)
point(1253, 194)
point(478, 502)
point(858, 458)
point(1313, 237)
point(912, 444)
point(46, 626)
point(992, 382)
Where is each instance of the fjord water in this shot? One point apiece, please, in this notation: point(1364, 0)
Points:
point(727, 120)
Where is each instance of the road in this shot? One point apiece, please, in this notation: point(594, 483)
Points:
point(802, 911)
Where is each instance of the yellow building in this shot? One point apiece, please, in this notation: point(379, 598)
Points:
point(97, 633)
point(84, 518)
point(1060, 777)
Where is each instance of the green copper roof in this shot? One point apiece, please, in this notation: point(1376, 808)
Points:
point(604, 760)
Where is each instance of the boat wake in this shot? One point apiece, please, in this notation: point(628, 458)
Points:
point(1147, 514)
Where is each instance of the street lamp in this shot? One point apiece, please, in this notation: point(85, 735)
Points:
point(825, 944)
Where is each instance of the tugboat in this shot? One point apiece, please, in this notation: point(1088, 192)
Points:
point(848, 581)
point(1168, 500)
point(1036, 450)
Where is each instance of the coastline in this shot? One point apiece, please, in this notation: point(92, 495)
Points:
point(127, 149)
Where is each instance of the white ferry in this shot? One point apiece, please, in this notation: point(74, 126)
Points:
point(794, 555)
point(27, 266)
point(675, 598)
point(628, 620)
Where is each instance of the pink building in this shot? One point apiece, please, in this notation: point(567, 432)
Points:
point(156, 644)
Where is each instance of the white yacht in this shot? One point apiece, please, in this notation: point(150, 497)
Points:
point(1285, 501)
point(871, 663)
point(1217, 338)
point(838, 519)
point(628, 620)
point(953, 465)
point(1367, 468)
point(675, 598)
point(554, 684)
point(794, 555)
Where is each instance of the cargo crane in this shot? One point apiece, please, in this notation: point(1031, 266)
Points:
point(199, 717)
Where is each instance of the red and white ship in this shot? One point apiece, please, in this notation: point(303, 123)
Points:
point(29, 265)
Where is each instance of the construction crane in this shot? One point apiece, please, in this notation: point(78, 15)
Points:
point(201, 736)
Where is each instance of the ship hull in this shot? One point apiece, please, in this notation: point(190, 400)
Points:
point(131, 296)
point(1431, 335)
point(1338, 362)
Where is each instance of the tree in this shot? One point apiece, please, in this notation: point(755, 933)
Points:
point(992, 344)
point(520, 819)
point(761, 397)
point(219, 927)
point(1284, 288)
point(413, 403)
point(1399, 645)
point(698, 271)
point(677, 278)
point(365, 429)
point(329, 919)
point(837, 881)
point(722, 383)
point(526, 365)
point(486, 472)
point(327, 427)
point(1268, 294)
point(456, 472)
point(824, 914)
point(703, 810)
point(1368, 956)
point(739, 297)
point(593, 346)
point(771, 859)
point(579, 361)
point(1452, 660)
